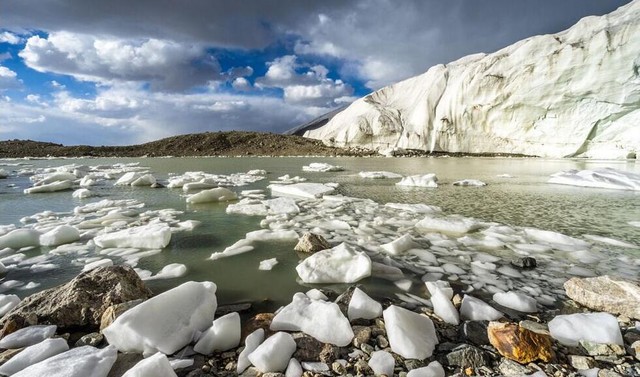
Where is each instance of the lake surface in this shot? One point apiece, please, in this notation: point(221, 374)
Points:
point(524, 200)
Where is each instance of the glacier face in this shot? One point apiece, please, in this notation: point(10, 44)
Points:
point(571, 94)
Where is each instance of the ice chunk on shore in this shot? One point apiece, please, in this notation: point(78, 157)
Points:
point(218, 194)
point(452, 225)
point(8, 302)
point(443, 307)
point(83, 193)
point(469, 182)
point(475, 309)
point(516, 301)
point(294, 369)
point(252, 342)
point(410, 334)
point(274, 353)
point(319, 319)
point(607, 178)
point(28, 336)
point(152, 236)
point(382, 363)
point(341, 264)
point(60, 235)
point(156, 365)
point(303, 190)
point(33, 355)
point(223, 335)
point(594, 327)
point(19, 238)
point(166, 322)
point(415, 208)
point(434, 369)
point(77, 362)
point(427, 180)
point(363, 306)
point(379, 175)
point(399, 245)
point(548, 236)
point(611, 241)
point(321, 167)
point(439, 285)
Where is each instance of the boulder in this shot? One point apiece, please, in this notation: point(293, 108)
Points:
point(311, 243)
point(519, 344)
point(604, 293)
point(79, 303)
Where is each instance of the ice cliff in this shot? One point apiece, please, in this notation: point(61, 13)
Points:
point(571, 94)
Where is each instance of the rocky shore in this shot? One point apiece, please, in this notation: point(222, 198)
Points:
point(102, 323)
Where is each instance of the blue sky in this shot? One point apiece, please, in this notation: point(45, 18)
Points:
point(123, 72)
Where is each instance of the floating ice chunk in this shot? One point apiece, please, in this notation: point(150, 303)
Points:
point(98, 263)
point(363, 306)
point(155, 365)
point(3, 174)
point(383, 271)
point(54, 177)
point(294, 369)
point(266, 235)
point(453, 269)
point(274, 353)
point(319, 319)
point(241, 246)
point(450, 225)
point(509, 271)
point(19, 238)
point(267, 264)
point(341, 264)
point(443, 286)
point(129, 178)
point(321, 167)
point(152, 236)
point(170, 271)
point(8, 302)
point(87, 181)
point(424, 255)
point(610, 241)
point(223, 335)
point(607, 178)
point(304, 190)
point(434, 369)
point(379, 175)
point(33, 355)
point(252, 342)
point(144, 180)
point(382, 362)
point(516, 301)
point(469, 182)
point(27, 336)
point(219, 194)
point(77, 362)
point(60, 235)
point(257, 172)
point(593, 327)
point(442, 305)
point(634, 223)
point(404, 284)
point(248, 207)
point(428, 180)
point(399, 245)
point(166, 322)
point(415, 208)
point(411, 335)
point(282, 206)
point(551, 237)
point(475, 309)
point(83, 193)
point(197, 186)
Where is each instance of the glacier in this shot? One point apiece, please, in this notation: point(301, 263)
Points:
point(575, 93)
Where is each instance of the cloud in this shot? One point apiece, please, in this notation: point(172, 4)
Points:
point(10, 38)
point(8, 79)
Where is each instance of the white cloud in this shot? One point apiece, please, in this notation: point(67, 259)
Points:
point(241, 84)
point(10, 38)
point(8, 79)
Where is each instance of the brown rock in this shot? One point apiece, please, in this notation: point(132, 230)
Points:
point(114, 311)
point(8, 354)
point(81, 302)
point(259, 321)
point(519, 344)
point(311, 243)
point(607, 294)
point(311, 349)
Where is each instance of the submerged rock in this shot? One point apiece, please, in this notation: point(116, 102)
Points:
point(604, 293)
point(519, 344)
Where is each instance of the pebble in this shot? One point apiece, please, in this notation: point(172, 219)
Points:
point(582, 362)
point(525, 262)
point(598, 349)
point(93, 339)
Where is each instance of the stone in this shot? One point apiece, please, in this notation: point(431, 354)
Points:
point(8, 354)
point(467, 356)
point(635, 349)
point(601, 349)
point(582, 362)
point(258, 321)
point(114, 311)
point(81, 302)
point(540, 328)
point(604, 293)
point(510, 368)
point(93, 339)
point(519, 344)
point(474, 332)
point(526, 263)
point(310, 349)
point(311, 243)
point(608, 373)
point(362, 335)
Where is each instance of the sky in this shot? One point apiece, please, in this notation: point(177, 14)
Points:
point(123, 72)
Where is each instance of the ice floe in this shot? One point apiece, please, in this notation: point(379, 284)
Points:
point(152, 236)
point(607, 178)
point(321, 167)
point(477, 310)
point(28, 336)
point(341, 264)
point(303, 190)
point(219, 194)
point(267, 264)
point(427, 180)
point(33, 355)
point(379, 175)
point(469, 182)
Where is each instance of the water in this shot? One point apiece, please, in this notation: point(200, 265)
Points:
point(525, 200)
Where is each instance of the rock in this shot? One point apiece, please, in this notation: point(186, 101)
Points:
point(310, 349)
point(467, 356)
point(93, 339)
point(602, 349)
point(81, 302)
point(582, 362)
point(338, 368)
point(123, 363)
point(540, 328)
point(608, 373)
point(310, 243)
point(258, 321)
point(526, 263)
point(114, 311)
point(604, 293)
point(362, 335)
point(519, 344)
point(382, 341)
point(474, 332)
point(510, 368)
point(635, 349)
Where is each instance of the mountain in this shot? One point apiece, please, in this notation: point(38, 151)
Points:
point(571, 94)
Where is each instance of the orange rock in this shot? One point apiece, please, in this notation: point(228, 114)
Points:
point(519, 344)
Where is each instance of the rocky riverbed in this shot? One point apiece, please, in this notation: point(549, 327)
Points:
point(105, 321)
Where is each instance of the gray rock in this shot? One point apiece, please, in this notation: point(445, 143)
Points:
point(338, 368)
point(582, 362)
point(311, 349)
point(525, 263)
point(311, 243)
point(467, 356)
point(635, 349)
point(510, 368)
point(124, 362)
point(604, 293)
point(599, 349)
point(93, 339)
point(474, 332)
point(631, 336)
point(412, 364)
point(540, 328)
point(382, 341)
point(608, 373)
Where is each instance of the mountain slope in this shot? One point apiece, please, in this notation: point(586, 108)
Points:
point(574, 93)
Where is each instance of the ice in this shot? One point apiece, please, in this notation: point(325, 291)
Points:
point(27, 336)
point(321, 167)
point(19, 238)
point(594, 327)
point(166, 322)
point(77, 362)
point(450, 225)
point(98, 263)
point(8, 302)
point(516, 301)
point(156, 365)
point(382, 363)
point(443, 307)
point(469, 182)
point(611, 241)
point(282, 205)
point(197, 186)
point(547, 236)
point(83, 193)
point(634, 223)
point(427, 180)
point(475, 309)
point(607, 178)
point(341, 264)
point(399, 245)
point(303, 190)
point(252, 342)
point(319, 319)
point(379, 175)
point(170, 271)
point(415, 208)
point(274, 353)
point(410, 335)
point(294, 369)
point(34, 354)
point(59, 235)
point(219, 194)
point(267, 264)
point(152, 236)
point(434, 369)
point(248, 207)
point(136, 179)
point(443, 286)
point(50, 187)
point(404, 284)
point(266, 235)
point(223, 335)
point(316, 294)
point(363, 306)
point(241, 246)
point(144, 180)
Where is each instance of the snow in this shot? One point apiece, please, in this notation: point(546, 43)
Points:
point(434, 369)
point(252, 342)
point(607, 178)
point(475, 309)
point(218, 194)
point(223, 335)
point(427, 180)
point(8, 302)
point(362, 306)
point(516, 301)
point(382, 362)
point(33, 355)
point(77, 362)
point(19, 238)
point(267, 264)
point(302, 190)
point(274, 353)
point(60, 235)
point(156, 365)
point(469, 182)
point(341, 264)
point(399, 245)
point(379, 175)
point(322, 167)
point(166, 322)
point(28, 336)
point(410, 335)
point(152, 236)
point(594, 327)
point(319, 319)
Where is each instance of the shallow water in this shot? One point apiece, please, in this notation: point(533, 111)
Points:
point(525, 200)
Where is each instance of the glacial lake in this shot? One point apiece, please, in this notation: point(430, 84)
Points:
point(524, 199)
